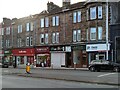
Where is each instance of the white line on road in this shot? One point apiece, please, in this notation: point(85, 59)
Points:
point(106, 74)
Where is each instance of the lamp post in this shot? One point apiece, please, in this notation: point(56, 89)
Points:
point(107, 30)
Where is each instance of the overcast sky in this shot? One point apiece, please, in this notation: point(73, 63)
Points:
point(22, 8)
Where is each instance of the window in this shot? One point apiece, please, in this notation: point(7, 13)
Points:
point(42, 22)
point(53, 21)
point(7, 43)
point(93, 13)
point(2, 31)
point(31, 26)
point(74, 36)
point(19, 28)
point(53, 38)
point(7, 30)
point(74, 17)
point(27, 26)
point(57, 20)
point(79, 35)
point(42, 38)
point(31, 41)
point(46, 22)
point(87, 14)
point(27, 41)
point(19, 42)
point(92, 33)
point(99, 33)
point(57, 37)
point(87, 34)
point(79, 16)
point(99, 12)
point(46, 38)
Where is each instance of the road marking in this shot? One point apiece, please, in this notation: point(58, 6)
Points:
point(106, 74)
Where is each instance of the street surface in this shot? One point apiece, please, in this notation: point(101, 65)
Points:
point(9, 81)
point(111, 78)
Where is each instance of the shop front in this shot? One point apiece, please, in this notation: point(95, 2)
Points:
point(8, 57)
point(60, 56)
point(97, 51)
point(23, 56)
point(79, 56)
point(1, 55)
point(42, 56)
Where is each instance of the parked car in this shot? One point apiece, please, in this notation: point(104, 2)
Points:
point(98, 65)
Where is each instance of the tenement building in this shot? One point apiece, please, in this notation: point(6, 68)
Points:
point(67, 36)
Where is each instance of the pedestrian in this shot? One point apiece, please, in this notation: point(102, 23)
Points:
point(42, 64)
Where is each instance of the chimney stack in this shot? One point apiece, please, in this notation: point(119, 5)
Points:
point(66, 3)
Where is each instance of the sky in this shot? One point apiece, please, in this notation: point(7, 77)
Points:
point(21, 8)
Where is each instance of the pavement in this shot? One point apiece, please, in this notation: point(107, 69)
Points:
point(68, 74)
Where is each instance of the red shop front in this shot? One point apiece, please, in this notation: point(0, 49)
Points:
point(23, 56)
point(42, 56)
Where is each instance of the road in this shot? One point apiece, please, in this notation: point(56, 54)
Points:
point(9, 81)
point(71, 75)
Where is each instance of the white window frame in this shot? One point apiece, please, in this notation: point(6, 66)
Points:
point(87, 14)
point(42, 22)
point(99, 12)
point(46, 38)
point(31, 26)
point(46, 22)
point(57, 20)
point(20, 41)
point(7, 30)
point(27, 26)
point(79, 17)
point(19, 28)
point(53, 37)
point(31, 40)
point(100, 33)
point(27, 41)
point(92, 33)
point(78, 35)
point(2, 31)
point(74, 35)
point(93, 13)
point(57, 37)
point(42, 38)
point(53, 21)
point(74, 17)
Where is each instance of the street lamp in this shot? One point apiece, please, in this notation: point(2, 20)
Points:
point(107, 30)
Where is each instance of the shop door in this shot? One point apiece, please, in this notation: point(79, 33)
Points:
point(57, 60)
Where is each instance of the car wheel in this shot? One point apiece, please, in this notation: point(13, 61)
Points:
point(116, 69)
point(92, 69)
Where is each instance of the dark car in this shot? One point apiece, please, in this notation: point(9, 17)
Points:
point(5, 65)
point(98, 65)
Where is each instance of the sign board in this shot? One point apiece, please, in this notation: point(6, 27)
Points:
point(97, 47)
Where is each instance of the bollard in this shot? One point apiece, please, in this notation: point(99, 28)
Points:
point(28, 68)
point(74, 65)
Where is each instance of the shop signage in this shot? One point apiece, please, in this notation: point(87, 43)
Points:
point(23, 52)
point(58, 48)
point(97, 47)
point(68, 48)
point(42, 50)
